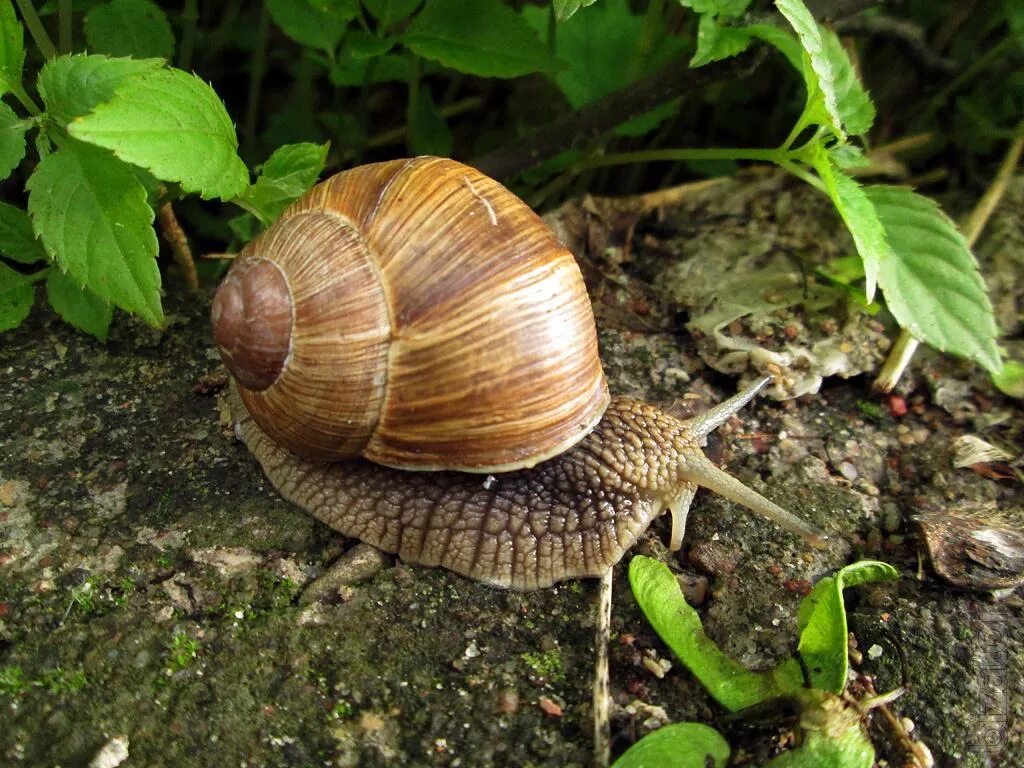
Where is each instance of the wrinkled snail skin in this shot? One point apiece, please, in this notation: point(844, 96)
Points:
point(406, 324)
point(572, 516)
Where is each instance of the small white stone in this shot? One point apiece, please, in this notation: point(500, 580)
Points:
point(111, 754)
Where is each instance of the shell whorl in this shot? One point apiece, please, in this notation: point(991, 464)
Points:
point(436, 323)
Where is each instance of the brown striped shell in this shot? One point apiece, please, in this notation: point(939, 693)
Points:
point(417, 313)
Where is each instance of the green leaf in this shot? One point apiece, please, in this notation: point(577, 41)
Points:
point(137, 28)
point(727, 8)
point(1013, 10)
point(350, 71)
point(16, 297)
point(72, 86)
point(314, 24)
point(77, 305)
point(491, 41)
point(387, 12)
point(564, 9)
point(781, 40)
point(174, 125)
point(363, 45)
point(597, 47)
point(715, 42)
point(1010, 380)
point(17, 240)
point(287, 174)
point(90, 211)
point(856, 109)
point(861, 219)
point(12, 139)
point(679, 745)
point(729, 682)
point(819, 76)
point(931, 282)
point(428, 131)
point(847, 156)
point(821, 620)
point(12, 49)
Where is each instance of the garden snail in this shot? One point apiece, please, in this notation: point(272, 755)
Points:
point(416, 313)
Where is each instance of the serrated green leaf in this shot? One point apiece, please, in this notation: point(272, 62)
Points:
point(17, 240)
point(861, 219)
point(90, 212)
point(564, 9)
point(715, 42)
point(287, 174)
point(12, 139)
point(72, 86)
point(78, 306)
point(12, 48)
point(731, 684)
point(317, 25)
point(387, 12)
point(821, 620)
point(16, 297)
point(174, 125)
point(855, 107)
point(677, 745)
point(931, 283)
point(491, 41)
point(137, 28)
point(818, 74)
point(428, 132)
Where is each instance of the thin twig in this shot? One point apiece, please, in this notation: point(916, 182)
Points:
point(178, 241)
point(601, 694)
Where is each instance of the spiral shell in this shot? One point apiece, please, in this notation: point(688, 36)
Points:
point(417, 313)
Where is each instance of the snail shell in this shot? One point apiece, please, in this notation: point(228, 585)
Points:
point(418, 314)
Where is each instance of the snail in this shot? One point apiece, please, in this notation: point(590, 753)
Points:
point(414, 362)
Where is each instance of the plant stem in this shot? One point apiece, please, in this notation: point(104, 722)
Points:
point(257, 69)
point(64, 11)
point(676, 155)
point(22, 96)
point(36, 29)
point(898, 360)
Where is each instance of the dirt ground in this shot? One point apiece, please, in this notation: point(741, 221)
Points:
point(156, 597)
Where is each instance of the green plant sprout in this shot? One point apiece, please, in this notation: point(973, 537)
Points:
point(814, 676)
point(907, 246)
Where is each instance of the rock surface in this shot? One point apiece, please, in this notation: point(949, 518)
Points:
point(151, 583)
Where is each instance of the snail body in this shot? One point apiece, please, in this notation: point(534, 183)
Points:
point(415, 315)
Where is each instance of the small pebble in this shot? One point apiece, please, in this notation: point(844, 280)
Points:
point(111, 754)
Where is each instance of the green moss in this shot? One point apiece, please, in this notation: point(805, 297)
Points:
point(12, 681)
point(548, 666)
point(181, 651)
